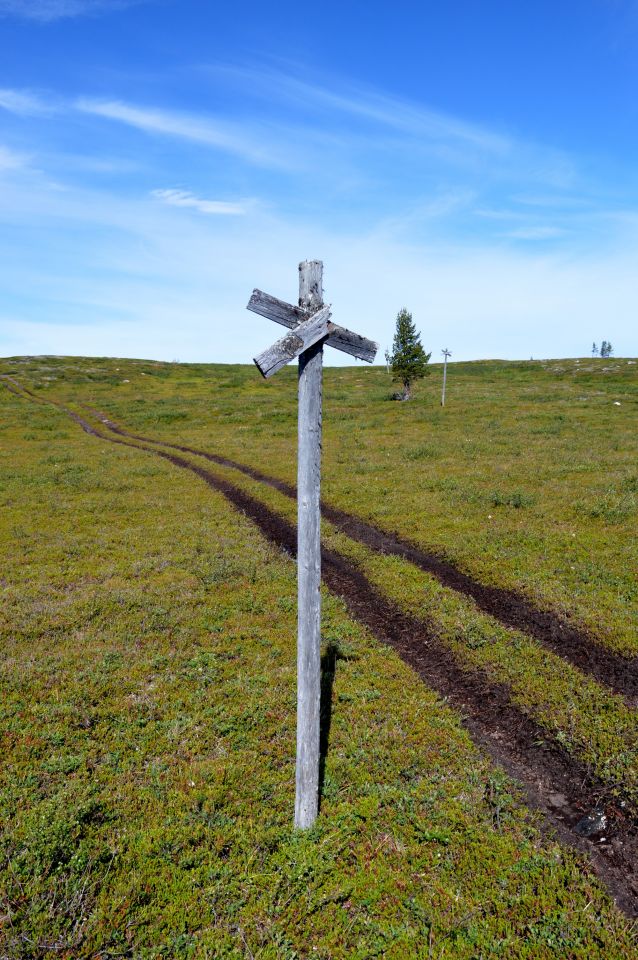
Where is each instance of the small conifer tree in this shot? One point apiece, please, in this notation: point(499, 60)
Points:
point(408, 358)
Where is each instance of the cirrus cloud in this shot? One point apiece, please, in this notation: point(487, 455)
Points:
point(22, 102)
point(10, 160)
point(46, 11)
point(182, 198)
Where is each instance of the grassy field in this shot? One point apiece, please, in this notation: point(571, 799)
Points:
point(148, 632)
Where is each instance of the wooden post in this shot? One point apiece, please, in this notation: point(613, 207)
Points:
point(310, 327)
point(309, 557)
point(446, 353)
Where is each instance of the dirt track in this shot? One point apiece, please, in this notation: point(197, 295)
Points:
point(553, 780)
point(510, 608)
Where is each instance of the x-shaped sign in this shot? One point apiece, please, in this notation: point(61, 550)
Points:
point(307, 329)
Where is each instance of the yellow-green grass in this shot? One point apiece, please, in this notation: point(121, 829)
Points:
point(148, 703)
point(588, 720)
point(528, 478)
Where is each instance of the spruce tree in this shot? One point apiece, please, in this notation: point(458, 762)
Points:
point(408, 357)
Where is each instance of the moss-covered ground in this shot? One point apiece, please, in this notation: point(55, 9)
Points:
point(148, 669)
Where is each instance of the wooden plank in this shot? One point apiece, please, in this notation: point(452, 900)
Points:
point(309, 558)
point(353, 343)
point(281, 312)
point(278, 310)
point(304, 336)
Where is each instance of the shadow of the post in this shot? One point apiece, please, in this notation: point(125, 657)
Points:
point(329, 658)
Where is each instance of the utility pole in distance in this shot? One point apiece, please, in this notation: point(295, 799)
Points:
point(446, 353)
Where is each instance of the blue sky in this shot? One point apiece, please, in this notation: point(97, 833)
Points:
point(472, 161)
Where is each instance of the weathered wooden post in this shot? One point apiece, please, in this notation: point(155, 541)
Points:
point(446, 353)
point(310, 329)
point(309, 556)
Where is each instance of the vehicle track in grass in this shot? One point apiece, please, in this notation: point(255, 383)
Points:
point(554, 782)
point(509, 607)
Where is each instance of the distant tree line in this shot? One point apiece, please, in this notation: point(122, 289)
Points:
point(605, 350)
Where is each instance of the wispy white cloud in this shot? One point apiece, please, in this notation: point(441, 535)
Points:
point(447, 217)
point(349, 135)
point(182, 198)
point(10, 160)
point(375, 125)
point(357, 100)
point(103, 274)
point(88, 163)
point(23, 102)
point(239, 139)
point(46, 11)
point(535, 233)
point(560, 200)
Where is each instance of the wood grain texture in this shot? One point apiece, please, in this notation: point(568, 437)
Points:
point(273, 309)
point(303, 336)
point(309, 558)
point(290, 316)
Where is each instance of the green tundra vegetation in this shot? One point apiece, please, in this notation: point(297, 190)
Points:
point(148, 668)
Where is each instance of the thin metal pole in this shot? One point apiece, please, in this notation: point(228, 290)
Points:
point(446, 353)
point(309, 558)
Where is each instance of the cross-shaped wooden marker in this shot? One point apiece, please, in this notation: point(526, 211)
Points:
point(310, 328)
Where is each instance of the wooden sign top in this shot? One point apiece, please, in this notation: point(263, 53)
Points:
point(339, 338)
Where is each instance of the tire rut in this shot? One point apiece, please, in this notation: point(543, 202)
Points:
point(509, 607)
point(554, 782)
